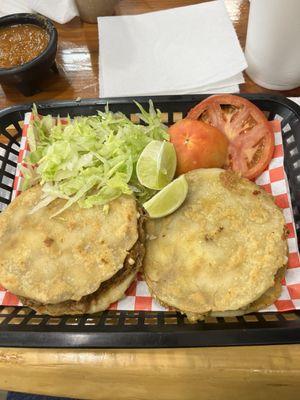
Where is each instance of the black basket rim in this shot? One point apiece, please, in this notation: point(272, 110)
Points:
point(45, 105)
point(284, 329)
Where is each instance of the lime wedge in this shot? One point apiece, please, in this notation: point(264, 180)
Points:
point(168, 199)
point(156, 165)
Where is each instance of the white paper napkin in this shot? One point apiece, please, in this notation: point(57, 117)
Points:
point(295, 99)
point(177, 50)
point(14, 7)
point(60, 11)
point(227, 85)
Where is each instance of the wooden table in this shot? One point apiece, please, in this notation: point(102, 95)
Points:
point(256, 372)
point(77, 56)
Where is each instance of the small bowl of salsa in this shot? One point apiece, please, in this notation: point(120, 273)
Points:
point(28, 44)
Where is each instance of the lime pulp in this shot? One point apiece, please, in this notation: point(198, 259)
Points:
point(168, 199)
point(156, 165)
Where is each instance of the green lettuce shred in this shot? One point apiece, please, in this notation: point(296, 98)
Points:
point(89, 160)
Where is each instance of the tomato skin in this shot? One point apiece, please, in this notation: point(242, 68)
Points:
point(242, 140)
point(197, 145)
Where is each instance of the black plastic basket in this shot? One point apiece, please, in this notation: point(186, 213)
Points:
point(22, 327)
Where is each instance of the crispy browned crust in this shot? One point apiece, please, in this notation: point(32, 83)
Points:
point(128, 272)
point(52, 260)
point(230, 180)
point(262, 302)
point(189, 252)
point(270, 295)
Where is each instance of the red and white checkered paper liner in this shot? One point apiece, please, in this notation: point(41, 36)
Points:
point(272, 180)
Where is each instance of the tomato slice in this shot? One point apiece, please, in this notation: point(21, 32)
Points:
point(250, 135)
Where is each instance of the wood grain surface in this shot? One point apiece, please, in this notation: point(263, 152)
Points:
point(234, 373)
point(77, 56)
point(256, 372)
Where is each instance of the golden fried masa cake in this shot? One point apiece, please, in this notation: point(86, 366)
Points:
point(220, 251)
point(262, 302)
point(53, 260)
point(109, 291)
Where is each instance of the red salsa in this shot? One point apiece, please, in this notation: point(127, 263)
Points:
point(21, 43)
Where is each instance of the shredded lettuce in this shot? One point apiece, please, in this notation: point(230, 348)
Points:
point(89, 160)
